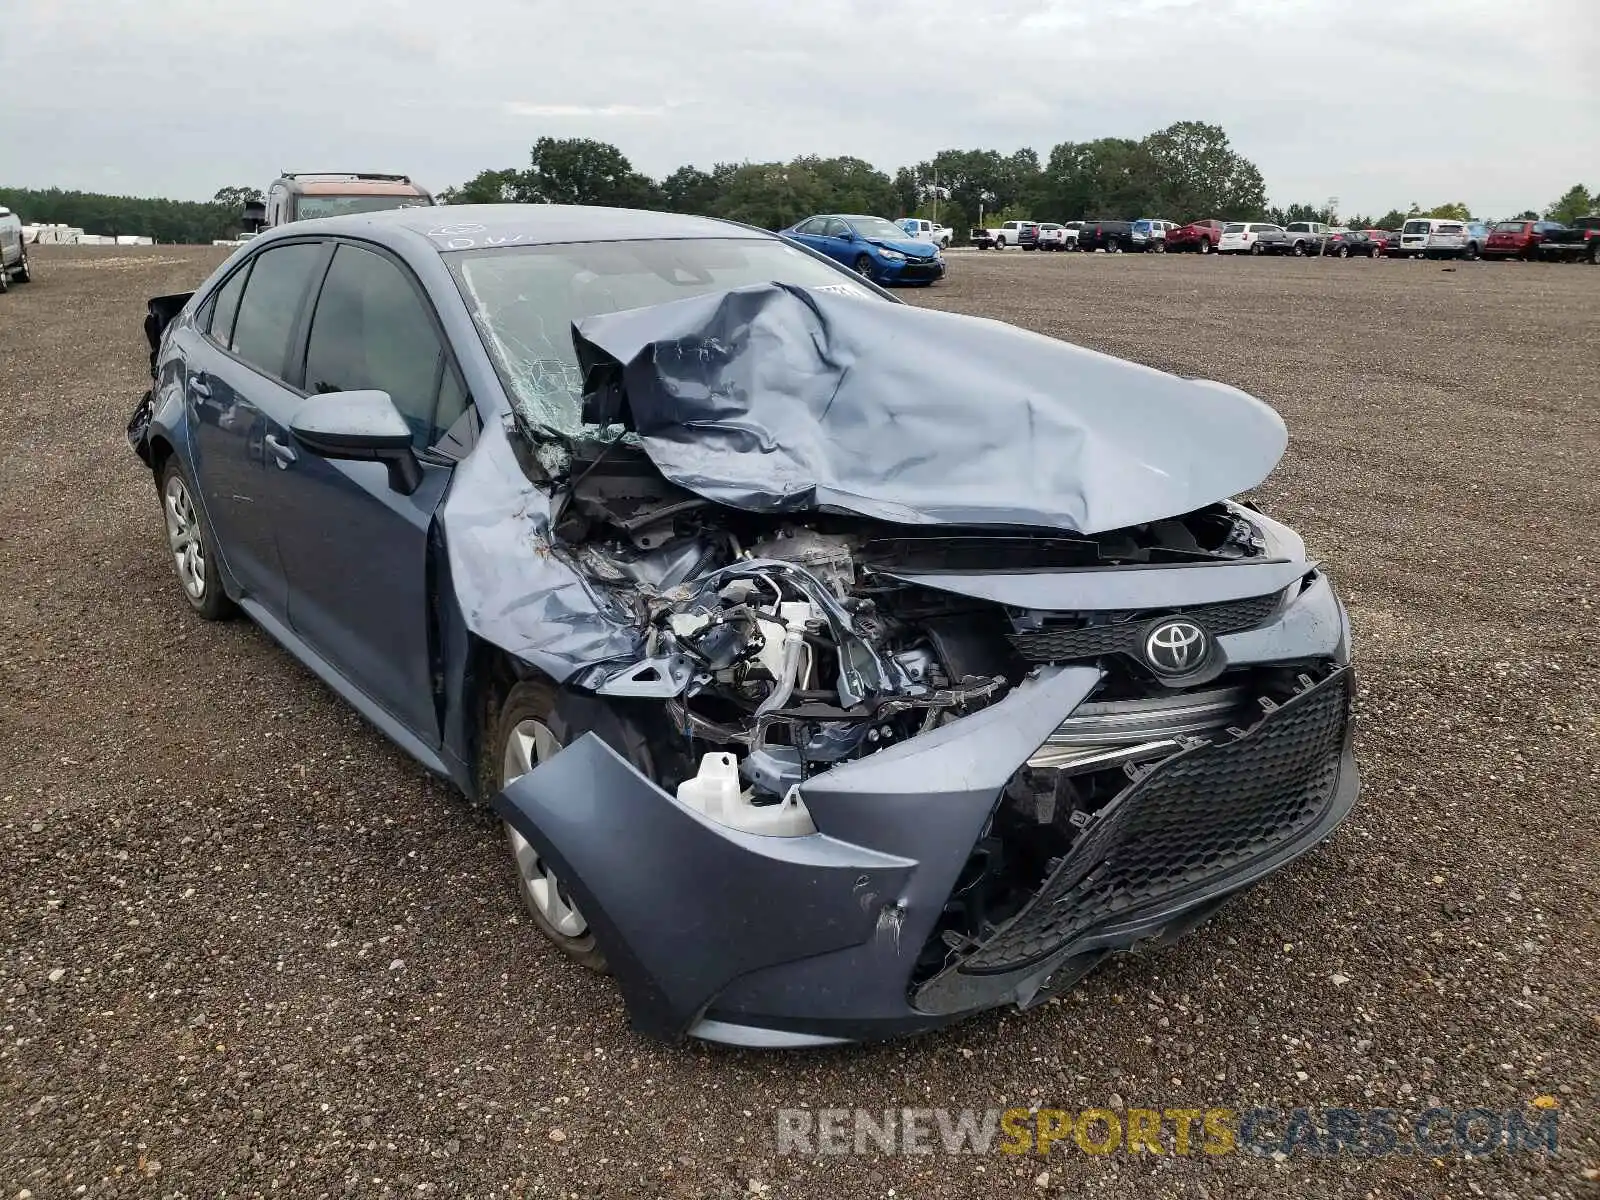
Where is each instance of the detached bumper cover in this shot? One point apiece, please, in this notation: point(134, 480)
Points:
point(820, 935)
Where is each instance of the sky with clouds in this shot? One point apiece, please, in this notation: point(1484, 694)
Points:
point(1494, 102)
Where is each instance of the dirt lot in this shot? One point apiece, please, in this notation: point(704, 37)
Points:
point(248, 947)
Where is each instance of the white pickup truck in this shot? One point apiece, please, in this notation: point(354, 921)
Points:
point(1009, 234)
point(927, 231)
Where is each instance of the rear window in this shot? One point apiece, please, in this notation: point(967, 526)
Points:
point(1233, 229)
point(1262, 228)
point(1450, 228)
point(1510, 226)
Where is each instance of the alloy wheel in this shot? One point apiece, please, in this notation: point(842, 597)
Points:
point(183, 536)
point(530, 743)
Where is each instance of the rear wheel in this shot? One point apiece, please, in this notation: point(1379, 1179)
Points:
point(1344, 251)
point(194, 557)
point(1471, 252)
point(1257, 248)
point(1205, 246)
point(1113, 246)
point(24, 274)
point(1594, 252)
point(1159, 246)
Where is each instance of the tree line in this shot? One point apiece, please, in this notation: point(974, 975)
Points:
point(1183, 172)
point(189, 221)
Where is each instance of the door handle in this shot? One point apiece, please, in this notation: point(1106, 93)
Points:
point(200, 385)
point(281, 454)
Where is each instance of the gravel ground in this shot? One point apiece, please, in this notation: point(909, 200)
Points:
point(247, 947)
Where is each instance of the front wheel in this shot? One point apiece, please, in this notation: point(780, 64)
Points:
point(864, 266)
point(1471, 252)
point(1344, 251)
point(1299, 250)
point(523, 737)
point(1113, 246)
point(1159, 246)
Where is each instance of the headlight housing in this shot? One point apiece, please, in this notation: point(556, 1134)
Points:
point(891, 255)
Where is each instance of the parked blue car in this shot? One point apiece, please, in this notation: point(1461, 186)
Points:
point(871, 246)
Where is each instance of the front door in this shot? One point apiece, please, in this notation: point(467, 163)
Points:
point(355, 550)
point(236, 365)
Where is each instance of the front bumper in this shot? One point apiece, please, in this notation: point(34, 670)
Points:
point(796, 941)
point(913, 271)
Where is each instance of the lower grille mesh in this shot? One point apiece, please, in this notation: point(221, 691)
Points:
point(1194, 820)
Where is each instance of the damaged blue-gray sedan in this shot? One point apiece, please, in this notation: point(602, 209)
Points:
point(839, 668)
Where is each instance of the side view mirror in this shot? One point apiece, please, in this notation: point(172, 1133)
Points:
point(848, 235)
point(361, 426)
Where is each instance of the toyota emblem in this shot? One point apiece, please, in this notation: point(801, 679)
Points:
point(1175, 647)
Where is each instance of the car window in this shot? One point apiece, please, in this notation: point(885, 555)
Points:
point(1450, 228)
point(224, 307)
point(836, 227)
point(373, 329)
point(271, 303)
point(1233, 229)
point(812, 225)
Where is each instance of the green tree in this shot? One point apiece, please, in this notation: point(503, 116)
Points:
point(506, 186)
point(1198, 174)
point(237, 197)
point(585, 171)
point(1299, 212)
point(1393, 219)
point(1449, 212)
point(690, 190)
point(1526, 214)
point(1575, 202)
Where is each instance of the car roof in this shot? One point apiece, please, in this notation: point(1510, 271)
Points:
point(467, 226)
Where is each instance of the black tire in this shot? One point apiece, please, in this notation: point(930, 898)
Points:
point(1344, 251)
point(200, 582)
point(531, 700)
point(24, 272)
point(1299, 250)
point(1113, 246)
point(1000, 243)
point(1159, 246)
point(1471, 252)
point(1205, 246)
point(1257, 248)
point(1594, 252)
point(5, 279)
point(863, 265)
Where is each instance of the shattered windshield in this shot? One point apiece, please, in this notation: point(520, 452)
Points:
point(524, 300)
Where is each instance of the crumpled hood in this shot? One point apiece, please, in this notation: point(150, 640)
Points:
point(774, 398)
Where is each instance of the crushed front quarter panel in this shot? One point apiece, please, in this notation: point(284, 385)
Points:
point(776, 398)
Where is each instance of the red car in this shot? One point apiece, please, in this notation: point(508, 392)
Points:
point(1517, 239)
point(1388, 241)
point(1202, 236)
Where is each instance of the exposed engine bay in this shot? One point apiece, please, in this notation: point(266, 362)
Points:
point(794, 643)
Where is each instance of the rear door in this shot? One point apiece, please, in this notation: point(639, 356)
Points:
point(355, 550)
point(236, 362)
